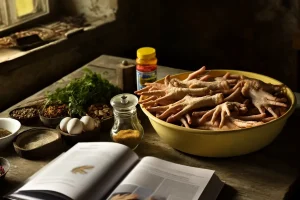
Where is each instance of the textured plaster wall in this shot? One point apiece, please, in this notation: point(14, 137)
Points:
point(18, 83)
point(92, 9)
point(251, 35)
point(247, 35)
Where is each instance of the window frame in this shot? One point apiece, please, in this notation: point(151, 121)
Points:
point(3, 15)
point(11, 25)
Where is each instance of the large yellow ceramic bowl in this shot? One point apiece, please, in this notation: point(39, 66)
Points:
point(221, 143)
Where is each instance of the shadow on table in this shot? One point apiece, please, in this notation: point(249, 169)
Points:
point(227, 192)
point(7, 186)
point(294, 191)
point(277, 157)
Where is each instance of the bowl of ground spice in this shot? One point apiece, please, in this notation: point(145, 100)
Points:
point(37, 143)
point(4, 167)
point(8, 131)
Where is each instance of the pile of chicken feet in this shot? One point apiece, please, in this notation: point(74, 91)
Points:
point(214, 103)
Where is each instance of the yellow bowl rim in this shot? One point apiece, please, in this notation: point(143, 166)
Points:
point(213, 132)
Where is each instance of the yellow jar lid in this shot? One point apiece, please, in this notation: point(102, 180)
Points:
point(146, 53)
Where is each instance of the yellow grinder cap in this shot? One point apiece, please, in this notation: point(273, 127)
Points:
point(146, 53)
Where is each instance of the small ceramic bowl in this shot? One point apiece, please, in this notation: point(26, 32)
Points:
point(38, 143)
point(50, 122)
point(88, 136)
point(12, 126)
point(5, 164)
point(28, 120)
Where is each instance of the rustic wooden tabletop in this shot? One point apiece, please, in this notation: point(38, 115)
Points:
point(266, 174)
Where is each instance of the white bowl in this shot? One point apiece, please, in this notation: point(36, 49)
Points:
point(11, 125)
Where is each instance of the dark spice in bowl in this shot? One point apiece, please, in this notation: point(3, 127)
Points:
point(100, 111)
point(51, 115)
point(55, 111)
point(25, 113)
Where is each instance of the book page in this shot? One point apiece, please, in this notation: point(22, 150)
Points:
point(88, 170)
point(14, 195)
point(156, 179)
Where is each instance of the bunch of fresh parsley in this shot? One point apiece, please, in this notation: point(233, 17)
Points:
point(82, 92)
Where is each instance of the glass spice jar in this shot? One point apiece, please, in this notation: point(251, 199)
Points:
point(127, 129)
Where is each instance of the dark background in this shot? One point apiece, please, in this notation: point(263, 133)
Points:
point(254, 35)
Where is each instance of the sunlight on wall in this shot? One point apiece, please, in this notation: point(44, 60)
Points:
point(92, 9)
point(24, 7)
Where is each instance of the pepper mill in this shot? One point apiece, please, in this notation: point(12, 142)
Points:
point(127, 129)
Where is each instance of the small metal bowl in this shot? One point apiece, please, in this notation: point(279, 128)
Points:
point(5, 164)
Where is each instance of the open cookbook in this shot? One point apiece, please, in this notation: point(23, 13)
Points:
point(106, 170)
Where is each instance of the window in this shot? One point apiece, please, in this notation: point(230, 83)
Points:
point(15, 12)
point(2, 15)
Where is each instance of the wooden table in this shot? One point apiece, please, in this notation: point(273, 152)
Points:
point(266, 174)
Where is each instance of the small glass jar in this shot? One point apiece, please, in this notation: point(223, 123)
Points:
point(127, 129)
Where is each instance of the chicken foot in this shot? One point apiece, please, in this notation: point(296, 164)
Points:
point(222, 110)
point(228, 125)
point(212, 85)
point(262, 100)
point(230, 78)
point(244, 124)
point(171, 94)
point(192, 81)
point(183, 106)
point(258, 117)
point(257, 84)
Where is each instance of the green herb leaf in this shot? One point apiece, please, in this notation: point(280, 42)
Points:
point(81, 92)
